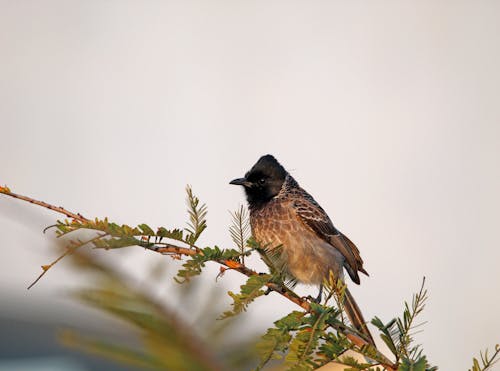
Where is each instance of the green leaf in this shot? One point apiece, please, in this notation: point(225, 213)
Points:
point(305, 342)
point(174, 234)
point(410, 365)
point(197, 217)
point(354, 364)
point(291, 321)
point(146, 230)
point(274, 343)
point(398, 333)
point(334, 346)
point(240, 230)
point(115, 242)
point(387, 334)
point(249, 291)
point(193, 266)
point(300, 349)
point(486, 361)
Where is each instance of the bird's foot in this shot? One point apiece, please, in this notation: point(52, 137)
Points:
point(316, 300)
point(320, 295)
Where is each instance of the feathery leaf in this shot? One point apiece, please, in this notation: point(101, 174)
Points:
point(197, 217)
point(486, 361)
point(249, 291)
point(240, 230)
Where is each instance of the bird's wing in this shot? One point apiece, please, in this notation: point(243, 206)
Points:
point(313, 215)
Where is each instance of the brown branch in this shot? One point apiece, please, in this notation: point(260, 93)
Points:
point(234, 265)
point(6, 191)
point(165, 249)
point(168, 248)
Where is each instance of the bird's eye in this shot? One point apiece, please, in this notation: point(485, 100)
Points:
point(262, 180)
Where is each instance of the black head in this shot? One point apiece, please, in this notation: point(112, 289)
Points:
point(263, 181)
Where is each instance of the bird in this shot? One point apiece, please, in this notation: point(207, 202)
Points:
point(293, 228)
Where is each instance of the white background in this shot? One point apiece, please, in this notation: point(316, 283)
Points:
point(386, 111)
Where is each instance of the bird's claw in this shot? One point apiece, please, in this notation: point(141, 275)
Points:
point(309, 298)
point(312, 299)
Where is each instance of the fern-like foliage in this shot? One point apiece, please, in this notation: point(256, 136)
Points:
point(164, 340)
point(355, 365)
point(117, 236)
point(240, 230)
point(275, 342)
point(398, 333)
point(305, 340)
point(249, 291)
point(112, 236)
point(487, 361)
point(194, 265)
point(302, 349)
point(197, 217)
point(419, 364)
point(406, 325)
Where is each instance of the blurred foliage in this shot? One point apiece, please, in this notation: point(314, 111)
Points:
point(487, 361)
point(167, 342)
point(305, 339)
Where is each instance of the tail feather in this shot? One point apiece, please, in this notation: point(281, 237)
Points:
point(356, 317)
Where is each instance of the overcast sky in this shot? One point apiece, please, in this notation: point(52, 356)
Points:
point(387, 112)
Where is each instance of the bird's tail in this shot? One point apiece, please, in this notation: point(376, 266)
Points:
point(356, 317)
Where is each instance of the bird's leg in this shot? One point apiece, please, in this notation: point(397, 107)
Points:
point(320, 294)
point(316, 299)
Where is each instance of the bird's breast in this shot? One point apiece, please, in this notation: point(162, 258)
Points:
point(273, 224)
point(303, 254)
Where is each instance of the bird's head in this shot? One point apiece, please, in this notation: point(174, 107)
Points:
point(263, 181)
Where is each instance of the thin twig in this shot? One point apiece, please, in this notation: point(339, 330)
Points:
point(69, 250)
point(58, 209)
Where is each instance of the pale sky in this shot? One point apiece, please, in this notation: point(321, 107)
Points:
point(387, 112)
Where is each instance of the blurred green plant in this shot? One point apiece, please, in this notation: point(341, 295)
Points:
point(306, 339)
point(167, 341)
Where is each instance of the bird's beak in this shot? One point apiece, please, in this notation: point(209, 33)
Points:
point(241, 181)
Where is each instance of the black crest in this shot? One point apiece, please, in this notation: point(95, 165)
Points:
point(263, 181)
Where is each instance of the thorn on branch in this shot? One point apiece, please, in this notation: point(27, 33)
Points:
point(222, 270)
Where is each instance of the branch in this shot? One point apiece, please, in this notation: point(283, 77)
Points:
point(69, 250)
point(6, 191)
point(168, 248)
